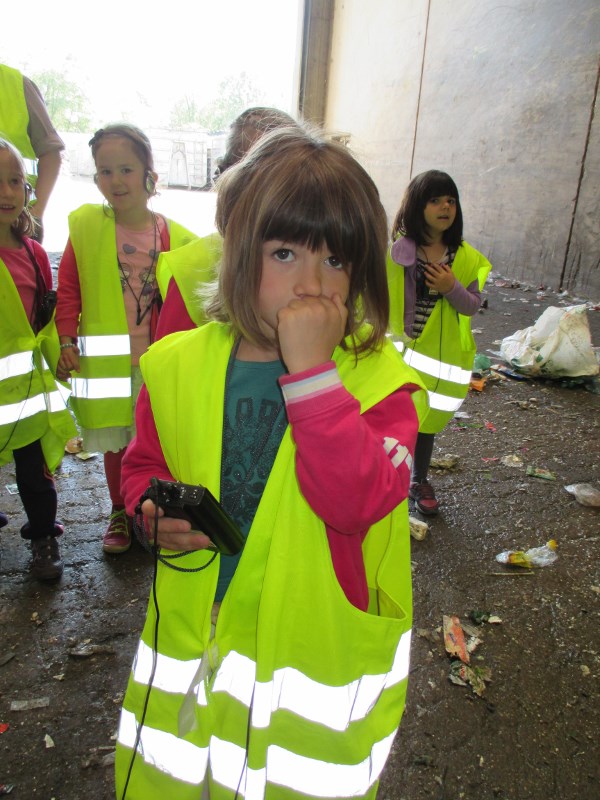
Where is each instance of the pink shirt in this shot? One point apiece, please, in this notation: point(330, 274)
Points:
point(22, 271)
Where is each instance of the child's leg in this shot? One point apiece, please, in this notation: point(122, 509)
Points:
point(421, 491)
point(422, 459)
point(38, 495)
point(37, 491)
point(117, 537)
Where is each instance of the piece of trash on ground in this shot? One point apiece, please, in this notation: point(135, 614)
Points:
point(534, 557)
point(12, 488)
point(477, 384)
point(511, 461)
point(490, 426)
point(6, 788)
point(447, 461)
point(464, 675)
point(87, 649)
point(479, 617)
point(454, 639)
point(585, 493)
point(85, 456)
point(540, 472)
point(418, 528)
point(74, 445)
point(48, 741)
point(28, 705)
point(4, 726)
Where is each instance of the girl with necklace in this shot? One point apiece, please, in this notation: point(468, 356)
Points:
point(108, 302)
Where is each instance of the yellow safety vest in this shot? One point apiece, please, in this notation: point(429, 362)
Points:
point(31, 404)
point(299, 693)
point(14, 116)
point(191, 266)
point(444, 352)
point(101, 391)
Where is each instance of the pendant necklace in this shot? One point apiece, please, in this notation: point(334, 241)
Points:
point(138, 298)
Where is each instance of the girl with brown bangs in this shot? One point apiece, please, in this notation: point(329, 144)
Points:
point(296, 412)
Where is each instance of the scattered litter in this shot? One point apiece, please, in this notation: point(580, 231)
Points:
point(418, 529)
point(479, 617)
point(585, 494)
point(490, 426)
point(74, 445)
point(540, 472)
point(59, 677)
point(462, 415)
point(510, 373)
point(511, 461)
point(454, 639)
point(447, 461)
point(534, 557)
point(48, 741)
point(481, 364)
point(6, 788)
point(28, 705)
point(87, 649)
point(463, 675)
point(100, 757)
point(486, 459)
point(557, 345)
point(12, 488)
point(477, 384)
point(85, 456)
point(4, 726)
point(585, 670)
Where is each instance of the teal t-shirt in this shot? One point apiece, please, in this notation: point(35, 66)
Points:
point(254, 424)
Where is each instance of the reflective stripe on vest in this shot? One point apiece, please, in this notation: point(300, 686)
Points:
point(15, 364)
point(431, 366)
point(111, 345)
point(279, 701)
point(101, 388)
point(188, 762)
point(333, 706)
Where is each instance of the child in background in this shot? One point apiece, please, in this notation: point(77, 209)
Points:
point(305, 430)
point(433, 296)
point(182, 273)
point(108, 302)
point(35, 423)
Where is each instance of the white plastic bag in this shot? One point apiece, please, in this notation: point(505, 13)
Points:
point(558, 344)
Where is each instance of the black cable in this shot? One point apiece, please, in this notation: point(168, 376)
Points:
point(154, 548)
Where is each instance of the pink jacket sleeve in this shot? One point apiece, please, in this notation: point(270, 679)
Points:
point(174, 315)
point(68, 305)
point(144, 457)
point(353, 469)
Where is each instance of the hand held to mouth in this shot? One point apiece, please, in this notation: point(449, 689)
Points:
point(309, 330)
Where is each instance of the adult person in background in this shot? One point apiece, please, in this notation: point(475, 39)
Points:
point(25, 122)
point(183, 271)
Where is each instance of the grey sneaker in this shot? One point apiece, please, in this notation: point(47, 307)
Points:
point(46, 563)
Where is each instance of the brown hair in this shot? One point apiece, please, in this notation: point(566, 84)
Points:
point(246, 129)
point(141, 143)
point(24, 225)
point(410, 219)
point(299, 187)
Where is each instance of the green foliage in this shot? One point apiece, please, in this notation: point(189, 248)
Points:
point(67, 104)
point(234, 94)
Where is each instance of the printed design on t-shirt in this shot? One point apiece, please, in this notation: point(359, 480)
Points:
point(250, 444)
point(141, 283)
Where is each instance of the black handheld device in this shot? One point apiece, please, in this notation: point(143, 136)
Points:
point(201, 508)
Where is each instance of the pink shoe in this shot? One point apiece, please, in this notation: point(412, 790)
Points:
point(424, 497)
point(117, 538)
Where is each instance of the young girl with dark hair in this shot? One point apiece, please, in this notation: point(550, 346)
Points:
point(435, 280)
point(34, 421)
point(281, 672)
point(108, 302)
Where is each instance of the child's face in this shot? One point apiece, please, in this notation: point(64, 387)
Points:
point(292, 271)
point(12, 189)
point(120, 174)
point(440, 213)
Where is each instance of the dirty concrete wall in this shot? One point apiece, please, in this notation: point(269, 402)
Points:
point(501, 96)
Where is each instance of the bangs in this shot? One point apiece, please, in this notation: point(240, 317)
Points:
point(314, 213)
point(440, 185)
